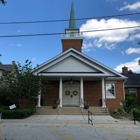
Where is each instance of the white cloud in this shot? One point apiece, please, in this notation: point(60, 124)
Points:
point(133, 37)
point(110, 37)
point(132, 50)
point(110, 47)
point(131, 7)
point(87, 46)
point(133, 65)
point(19, 45)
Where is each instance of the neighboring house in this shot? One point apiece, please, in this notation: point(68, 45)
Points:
point(7, 67)
point(76, 78)
point(132, 84)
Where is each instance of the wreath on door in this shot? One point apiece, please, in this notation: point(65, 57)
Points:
point(67, 92)
point(75, 93)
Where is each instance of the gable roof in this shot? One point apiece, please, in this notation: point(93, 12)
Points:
point(6, 67)
point(99, 69)
point(133, 80)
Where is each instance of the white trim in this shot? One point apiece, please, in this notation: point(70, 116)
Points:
point(60, 92)
point(73, 74)
point(111, 97)
point(84, 58)
point(103, 93)
point(38, 101)
point(82, 93)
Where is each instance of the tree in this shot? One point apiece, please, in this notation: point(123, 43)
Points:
point(21, 84)
point(3, 2)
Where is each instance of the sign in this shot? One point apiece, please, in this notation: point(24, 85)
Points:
point(12, 106)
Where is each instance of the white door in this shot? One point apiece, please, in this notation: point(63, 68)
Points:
point(70, 96)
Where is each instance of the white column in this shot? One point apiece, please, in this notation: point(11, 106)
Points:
point(103, 93)
point(39, 99)
point(82, 95)
point(60, 92)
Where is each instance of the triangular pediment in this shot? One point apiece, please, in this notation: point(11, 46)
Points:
point(74, 63)
point(71, 64)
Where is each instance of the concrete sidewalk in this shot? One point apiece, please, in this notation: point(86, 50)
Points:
point(67, 120)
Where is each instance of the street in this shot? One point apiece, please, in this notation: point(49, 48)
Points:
point(74, 132)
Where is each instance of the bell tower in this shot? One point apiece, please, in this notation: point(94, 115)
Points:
point(72, 37)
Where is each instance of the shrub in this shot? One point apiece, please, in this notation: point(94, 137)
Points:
point(17, 113)
point(130, 102)
point(119, 111)
point(54, 106)
point(86, 106)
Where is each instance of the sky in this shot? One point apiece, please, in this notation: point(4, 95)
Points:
point(113, 48)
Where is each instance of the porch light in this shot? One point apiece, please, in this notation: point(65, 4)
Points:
point(71, 82)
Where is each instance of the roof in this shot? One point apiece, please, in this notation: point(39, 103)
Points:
point(6, 67)
point(133, 80)
point(70, 62)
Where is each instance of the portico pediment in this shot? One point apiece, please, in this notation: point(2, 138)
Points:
point(74, 63)
point(71, 64)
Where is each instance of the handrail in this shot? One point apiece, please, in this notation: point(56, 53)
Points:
point(58, 105)
point(90, 119)
point(106, 105)
point(82, 104)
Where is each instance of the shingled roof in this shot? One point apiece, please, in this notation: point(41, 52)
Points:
point(6, 67)
point(133, 80)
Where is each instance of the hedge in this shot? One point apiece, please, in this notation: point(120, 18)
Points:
point(17, 113)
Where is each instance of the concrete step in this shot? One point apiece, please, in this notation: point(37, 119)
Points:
point(48, 110)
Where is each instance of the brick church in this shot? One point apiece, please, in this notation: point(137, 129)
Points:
point(76, 78)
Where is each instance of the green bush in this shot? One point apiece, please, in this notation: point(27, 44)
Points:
point(17, 113)
point(54, 106)
point(86, 106)
point(130, 102)
point(119, 111)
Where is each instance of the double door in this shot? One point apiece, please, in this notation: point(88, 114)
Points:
point(71, 96)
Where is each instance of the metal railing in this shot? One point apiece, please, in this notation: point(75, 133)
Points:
point(72, 34)
point(90, 117)
point(58, 105)
point(106, 105)
point(136, 117)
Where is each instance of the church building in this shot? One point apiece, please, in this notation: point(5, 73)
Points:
point(76, 79)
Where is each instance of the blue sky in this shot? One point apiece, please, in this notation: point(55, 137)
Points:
point(114, 49)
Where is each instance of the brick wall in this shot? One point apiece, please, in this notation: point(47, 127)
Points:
point(25, 103)
point(115, 103)
point(92, 92)
point(50, 96)
point(76, 44)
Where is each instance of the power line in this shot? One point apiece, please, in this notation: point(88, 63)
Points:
point(29, 35)
point(44, 21)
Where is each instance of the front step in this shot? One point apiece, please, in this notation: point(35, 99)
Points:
point(47, 110)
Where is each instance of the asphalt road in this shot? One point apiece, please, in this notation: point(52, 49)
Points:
point(87, 132)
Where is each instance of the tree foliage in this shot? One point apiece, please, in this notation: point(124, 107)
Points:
point(3, 2)
point(21, 84)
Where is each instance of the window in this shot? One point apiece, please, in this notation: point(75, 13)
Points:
point(133, 91)
point(110, 90)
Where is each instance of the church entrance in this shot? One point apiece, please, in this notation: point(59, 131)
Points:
point(71, 96)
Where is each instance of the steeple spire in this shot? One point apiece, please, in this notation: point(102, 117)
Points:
point(72, 24)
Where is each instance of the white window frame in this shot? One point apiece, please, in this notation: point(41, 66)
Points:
point(107, 96)
point(133, 91)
